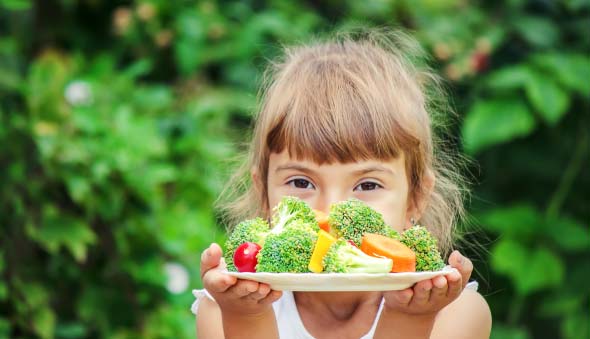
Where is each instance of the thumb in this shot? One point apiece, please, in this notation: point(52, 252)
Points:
point(462, 264)
point(210, 258)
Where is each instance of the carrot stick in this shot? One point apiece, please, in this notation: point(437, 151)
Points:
point(404, 259)
point(322, 219)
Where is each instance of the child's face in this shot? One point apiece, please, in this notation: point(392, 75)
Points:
point(383, 185)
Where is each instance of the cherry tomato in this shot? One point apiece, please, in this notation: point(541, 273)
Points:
point(245, 257)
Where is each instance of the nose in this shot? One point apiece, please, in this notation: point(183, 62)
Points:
point(329, 197)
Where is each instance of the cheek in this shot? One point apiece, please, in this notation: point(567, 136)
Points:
point(395, 219)
point(393, 209)
point(273, 197)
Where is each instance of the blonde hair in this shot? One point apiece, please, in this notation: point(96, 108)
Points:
point(356, 95)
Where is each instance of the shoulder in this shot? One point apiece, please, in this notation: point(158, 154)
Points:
point(209, 324)
point(471, 311)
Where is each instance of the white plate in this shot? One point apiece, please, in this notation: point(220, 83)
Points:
point(341, 281)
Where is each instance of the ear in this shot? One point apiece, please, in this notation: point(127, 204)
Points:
point(256, 181)
point(419, 201)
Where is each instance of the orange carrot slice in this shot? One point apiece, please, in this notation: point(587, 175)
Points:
point(322, 219)
point(404, 259)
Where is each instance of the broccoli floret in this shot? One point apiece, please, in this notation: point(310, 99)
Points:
point(289, 250)
point(352, 218)
point(391, 233)
point(290, 209)
point(253, 230)
point(424, 244)
point(342, 257)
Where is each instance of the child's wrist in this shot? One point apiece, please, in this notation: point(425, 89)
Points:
point(249, 325)
point(239, 315)
point(416, 325)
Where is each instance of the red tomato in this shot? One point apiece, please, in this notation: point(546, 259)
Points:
point(245, 257)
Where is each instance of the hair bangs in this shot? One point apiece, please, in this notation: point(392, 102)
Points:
point(335, 116)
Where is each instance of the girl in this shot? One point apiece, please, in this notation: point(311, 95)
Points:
point(342, 118)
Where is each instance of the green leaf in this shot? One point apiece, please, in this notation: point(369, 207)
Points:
point(500, 331)
point(79, 188)
point(509, 258)
point(3, 291)
point(495, 121)
point(517, 221)
point(538, 31)
point(509, 78)
point(138, 68)
point(577, 5)
point(548, 98)
point(44, 322)
point(16, 5)
point(190, 44)
point(559, 304)
point(545, 269)
point(576, 325)
point(71, 330)
point(4, 328)
point(529, 270)
point(569, 234)
point(571, 70)
point(59, 230)
point(46, 82)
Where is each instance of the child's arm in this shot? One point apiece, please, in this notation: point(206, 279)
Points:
point(436, 308)
point(242, 308)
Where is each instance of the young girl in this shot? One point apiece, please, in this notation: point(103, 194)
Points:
point(347, 117)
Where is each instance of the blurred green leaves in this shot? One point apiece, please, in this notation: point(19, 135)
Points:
point(530, 269)
point(16, 5)
point(528, 253)
point(61, 230)
point(538, 31)
point(119, 122)
point(549, 81)
point(494, 121)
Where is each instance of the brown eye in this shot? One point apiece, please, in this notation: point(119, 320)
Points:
point(367, 186)
point(301, 183)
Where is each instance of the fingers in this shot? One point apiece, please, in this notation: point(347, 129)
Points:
point(254, 291)
point(244, 288)
point(214, 280)
point(462, 264)
point(439, 289)
point(271, 297)
point(422, 292)
point(455, 284)
point(401, 298)
point(210, 258)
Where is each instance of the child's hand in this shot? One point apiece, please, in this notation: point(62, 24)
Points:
point(430, 296)
point(237, 296)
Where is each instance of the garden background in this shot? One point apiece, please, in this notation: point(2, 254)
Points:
point(117, 119)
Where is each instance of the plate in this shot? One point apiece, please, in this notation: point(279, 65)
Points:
point(341, 281)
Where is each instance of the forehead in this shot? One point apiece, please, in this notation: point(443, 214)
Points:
point(283, 161)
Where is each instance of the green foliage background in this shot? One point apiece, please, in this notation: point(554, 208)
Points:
point(117, 119)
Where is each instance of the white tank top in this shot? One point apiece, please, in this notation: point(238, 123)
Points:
point(288, 320)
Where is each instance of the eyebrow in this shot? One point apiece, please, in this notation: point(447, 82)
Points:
point(374, 168)
point(294, 167)
point(369, 169)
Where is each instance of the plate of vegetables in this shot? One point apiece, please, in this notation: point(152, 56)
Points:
point(350, 249)
point(332, 282)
